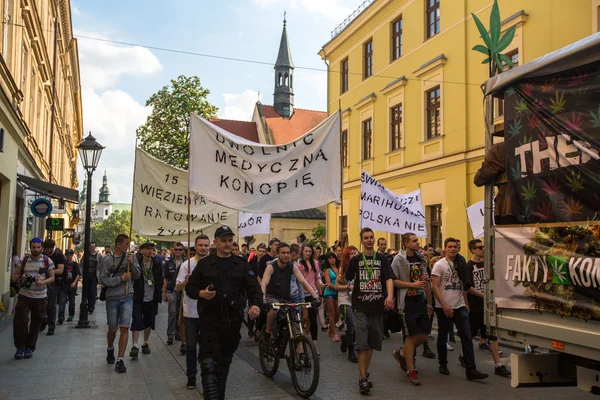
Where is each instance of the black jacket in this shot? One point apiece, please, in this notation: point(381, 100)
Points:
point(170, 272)
point(138, 284)
point(230, 280)
point(464, 272)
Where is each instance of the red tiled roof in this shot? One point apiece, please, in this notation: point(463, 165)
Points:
point(244, 129)
point(286, 130)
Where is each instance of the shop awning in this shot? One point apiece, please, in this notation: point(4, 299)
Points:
point(49, 189)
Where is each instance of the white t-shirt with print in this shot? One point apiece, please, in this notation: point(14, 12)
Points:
point(450, 284)
point(190, 306)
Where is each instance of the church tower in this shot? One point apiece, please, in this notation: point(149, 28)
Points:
point(284, 71)
point(104, 192)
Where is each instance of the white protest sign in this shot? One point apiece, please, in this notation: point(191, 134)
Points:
point(160, 203)
point(382, 210)
point(476, 215)
point(261, 178)
point(253, 223)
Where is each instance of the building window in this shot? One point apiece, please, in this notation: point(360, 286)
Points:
point(367, 132)
point(396, 127)
point(344, 224)
point(344, 69)
point(433, 113)
point(397, 39)
point(435, 225)
point(368, 54)
point(433, 17)
point(397, 242)
point(345, 148)
point(514, 57)
point(106, 212)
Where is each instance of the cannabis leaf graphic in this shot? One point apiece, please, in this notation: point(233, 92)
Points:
point(578, 79)
point(526, 214)
point(595, 118)
point(551, 186)
point(572, 208)
point(549, 86)
point(558, 271)
point(515, 172)
point(575, 181)
point(533, 121)
point(558, 103)
point(544, 211)
point(526, 139)
point(521, 107)
point(529, 191)
point(515, 128)
point(527, 89)
point(574, 124)
point(542, 139)
point(511, 91)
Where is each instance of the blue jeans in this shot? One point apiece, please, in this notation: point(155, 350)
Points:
point(192, 352)
point(92, 293)
point(348, 316)
point(119, 312)
point(63, 296)
point(461, 320)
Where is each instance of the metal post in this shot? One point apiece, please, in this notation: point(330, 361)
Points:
point(83, 311)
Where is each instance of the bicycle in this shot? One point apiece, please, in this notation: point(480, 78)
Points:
point(302, 360)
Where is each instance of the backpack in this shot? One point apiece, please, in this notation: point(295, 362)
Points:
point(24, 262)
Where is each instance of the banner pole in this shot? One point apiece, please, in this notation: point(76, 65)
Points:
point(341, 172)
point(131, 215)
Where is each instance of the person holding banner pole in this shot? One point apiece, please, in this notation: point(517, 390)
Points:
point(182, 334)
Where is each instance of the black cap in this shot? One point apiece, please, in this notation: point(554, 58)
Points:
point(69, 251)
point(223, 230)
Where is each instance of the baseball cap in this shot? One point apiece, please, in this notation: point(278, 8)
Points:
point(223, 230)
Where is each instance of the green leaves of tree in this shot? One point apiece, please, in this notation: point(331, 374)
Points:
point(165, 134)
point(494, 42)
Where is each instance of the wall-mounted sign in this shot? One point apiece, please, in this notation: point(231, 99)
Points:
point(55, 224)
point(41, 207)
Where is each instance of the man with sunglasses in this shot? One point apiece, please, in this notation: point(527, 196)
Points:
point(170, 295)
point(33, 274)
point(475, 296)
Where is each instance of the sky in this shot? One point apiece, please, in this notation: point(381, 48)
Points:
point(117, 79)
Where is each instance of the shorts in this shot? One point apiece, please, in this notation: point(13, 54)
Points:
point(144, 315)
point(118, 312)
point(416, 318)
point(368, 330)
point(272, 299)
point(477, 324)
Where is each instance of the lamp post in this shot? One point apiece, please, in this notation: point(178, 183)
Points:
point(89, 152)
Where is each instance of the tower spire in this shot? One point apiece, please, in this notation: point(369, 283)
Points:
point(284, 70)
point(104, 191)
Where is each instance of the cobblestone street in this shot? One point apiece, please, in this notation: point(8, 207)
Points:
point(71, 364)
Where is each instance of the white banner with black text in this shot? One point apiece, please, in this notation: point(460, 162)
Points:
point(253, 224)
point(160, 203)
point(476, 215)
point(382, 210)
point(255, 177)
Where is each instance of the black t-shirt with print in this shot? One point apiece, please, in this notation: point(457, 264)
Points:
point(58, 258)
point(70, 271)
point(369, 291)
point(476, 302)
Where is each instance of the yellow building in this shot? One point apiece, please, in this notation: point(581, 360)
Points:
point(40, 121)
point(408, 84)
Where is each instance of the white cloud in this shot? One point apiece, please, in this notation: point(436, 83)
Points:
point(239, 106)
point(103, 63)
point(75, 11)
point(333, 9)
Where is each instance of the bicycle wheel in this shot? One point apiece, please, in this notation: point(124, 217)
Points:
point(305, 368)
point(269, 362)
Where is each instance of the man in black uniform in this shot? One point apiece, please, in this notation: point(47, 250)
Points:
point(218, 283)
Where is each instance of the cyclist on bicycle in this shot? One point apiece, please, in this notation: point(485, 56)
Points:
point(276, 283)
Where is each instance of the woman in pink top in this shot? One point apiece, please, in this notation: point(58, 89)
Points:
point(312, 274)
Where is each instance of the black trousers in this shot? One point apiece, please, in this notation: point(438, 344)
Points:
point(218, 340)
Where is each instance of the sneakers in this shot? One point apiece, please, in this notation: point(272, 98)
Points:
point(110, 356)
point(461, 360)
point(182, 349)
point(352, 357)
point(344, 343)
point(250, 333)
point(60, 321)
point(484, 346)
point(90, 311)
point(145, 348)
point(70, 319)
point(135, 352)
point(120, 367)
point(452, 339)
point(325, 328)
point(19, 354)
point(427, 353)
point(27, 353)
point(50, 332)
point(444, 370)
point(170, 341)
point(412, 378)
point(449, 348)
point(178, 337)
point(363, 385)
point(502, 371)
point(191, 383)
point(400, 360)
point(476, 375)
point(336, 338)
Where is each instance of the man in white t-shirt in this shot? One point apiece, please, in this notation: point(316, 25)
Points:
point(190, 309)
point(451, 306)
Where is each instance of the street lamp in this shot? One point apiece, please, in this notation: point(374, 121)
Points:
point(89, 152)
